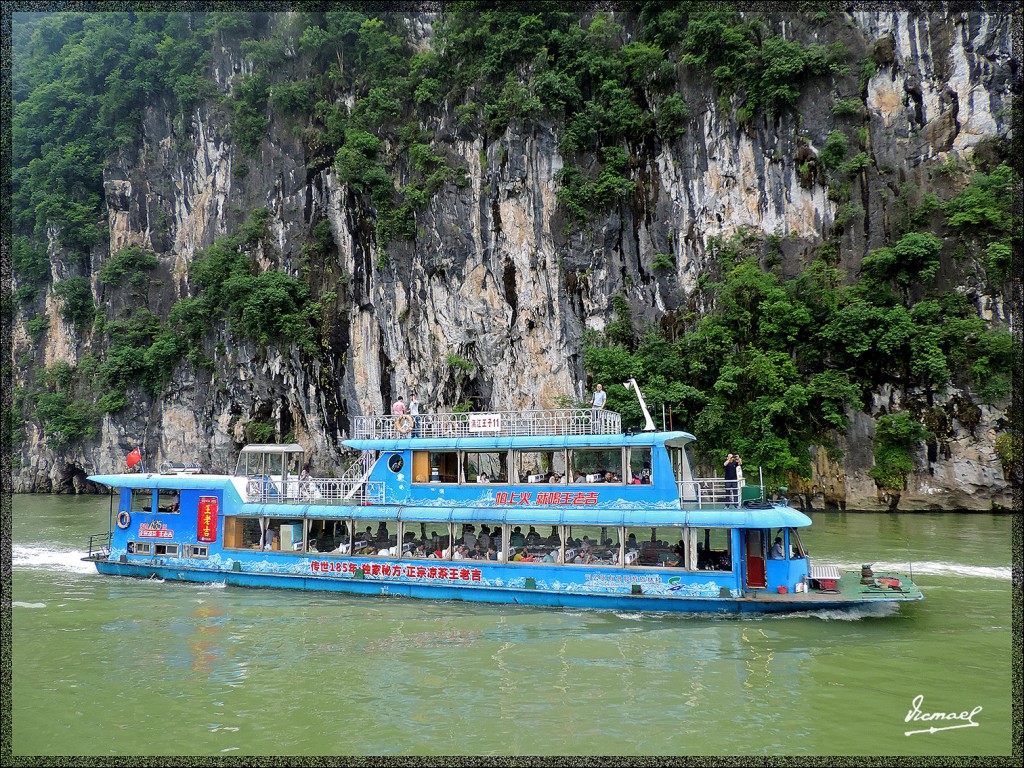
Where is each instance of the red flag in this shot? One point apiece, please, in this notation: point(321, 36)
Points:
point(134, 458)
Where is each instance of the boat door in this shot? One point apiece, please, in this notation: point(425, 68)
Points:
point(754, 542)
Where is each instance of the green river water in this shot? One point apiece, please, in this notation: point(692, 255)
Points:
point(113, 666)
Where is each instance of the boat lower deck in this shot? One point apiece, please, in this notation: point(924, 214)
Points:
point(882, 587)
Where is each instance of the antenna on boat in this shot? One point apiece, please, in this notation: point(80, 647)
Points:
point(648, 424)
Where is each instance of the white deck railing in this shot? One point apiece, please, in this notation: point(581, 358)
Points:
point(563, 421)
point(318, 490)
point(709, 491)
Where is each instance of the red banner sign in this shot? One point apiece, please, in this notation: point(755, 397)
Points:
point(207, 522)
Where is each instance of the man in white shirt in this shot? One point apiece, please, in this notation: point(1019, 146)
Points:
point(599, 398)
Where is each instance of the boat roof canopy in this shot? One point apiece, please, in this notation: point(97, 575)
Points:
point(273, 448)
point(525, 441)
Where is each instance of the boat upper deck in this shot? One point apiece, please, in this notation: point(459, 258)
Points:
point(541, 423)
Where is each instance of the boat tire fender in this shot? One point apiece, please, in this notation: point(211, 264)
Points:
point(123, 520)
point(404, 424)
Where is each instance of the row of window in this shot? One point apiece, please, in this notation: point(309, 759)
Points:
point(563, 467)
point(168, 500)
point(196, 551)
point(696, 549)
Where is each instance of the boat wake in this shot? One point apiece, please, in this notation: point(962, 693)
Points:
point(20, 604)
point(212, 585)
point(34, 556)
point(930, 568)
point(853, 613)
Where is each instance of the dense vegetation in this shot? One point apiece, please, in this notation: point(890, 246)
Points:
point(771, 370)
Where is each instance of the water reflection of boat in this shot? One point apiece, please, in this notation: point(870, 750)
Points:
point(554, 508)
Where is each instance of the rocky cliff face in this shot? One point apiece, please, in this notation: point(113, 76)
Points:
point(495, 277)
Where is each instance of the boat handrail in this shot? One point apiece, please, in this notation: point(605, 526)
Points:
point(538, 423)
point(708, 491)
point(315, 490)
point(99, 544)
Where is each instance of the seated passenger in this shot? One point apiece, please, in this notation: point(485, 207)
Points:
point(524, 556)
point(778, 552)
point(703, 558)
point(551, 557)
point(491, 553)
point(483, 478)
point(517, 539)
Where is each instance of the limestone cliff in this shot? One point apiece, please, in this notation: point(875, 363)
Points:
point(495, 277)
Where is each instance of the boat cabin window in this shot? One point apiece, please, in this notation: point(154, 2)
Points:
point(639, 466)
point(596, 466)
point(592, 545)
point(168, 500)
point(485, 467)
point(713, 548)
point(435, 467)
point(168, 550)
point(539, 466)
point(330, 537)
point(197, 551)
point(376, 538)
point(269, 460)
point(681, 463)
point(140, 548)
point(663, 547)
point(142, 500)
point(796, 549)
point(251, 533)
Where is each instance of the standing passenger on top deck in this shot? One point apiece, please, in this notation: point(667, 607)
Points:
point(398, 408)
point(600, 396)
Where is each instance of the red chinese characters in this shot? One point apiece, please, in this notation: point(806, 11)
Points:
point(207, 519)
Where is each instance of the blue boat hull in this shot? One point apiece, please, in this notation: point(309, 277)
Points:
point(484, 594)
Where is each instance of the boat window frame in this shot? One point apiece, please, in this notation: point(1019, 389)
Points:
point(464, 458)
point(141, 493)
point(627, 477)
point(429, 480)
point(571, 466)
point(514, 465)
point(166, 545)
point(139, 548)
point(197, 551)
point(564, 533)
point(175, 507)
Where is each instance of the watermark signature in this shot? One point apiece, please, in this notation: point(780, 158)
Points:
point(916, 715)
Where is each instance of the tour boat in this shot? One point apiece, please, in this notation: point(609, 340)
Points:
point(544, 507)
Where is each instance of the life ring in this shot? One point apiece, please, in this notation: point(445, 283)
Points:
point(404, 424)
point(123, 520)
